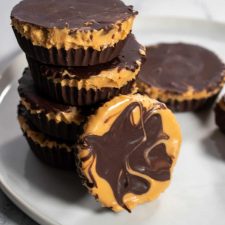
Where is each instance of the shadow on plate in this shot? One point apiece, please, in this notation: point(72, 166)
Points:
point(215, 144)
point(63, 185)
point(20, 162)
point(204, 115)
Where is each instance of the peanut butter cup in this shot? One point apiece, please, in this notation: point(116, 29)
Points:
point(186, 77)
point(89, 85)
point(128, 151)
point(56, 120)
point(72, 32)
point(51, 151)
point(220, 114)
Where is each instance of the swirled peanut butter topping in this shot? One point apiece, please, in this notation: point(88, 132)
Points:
point(128, 151)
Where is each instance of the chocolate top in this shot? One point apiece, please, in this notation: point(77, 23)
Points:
point(74, 14)
point(27, 90)
point(127, 59)
point(128, 147)
point(178, 67)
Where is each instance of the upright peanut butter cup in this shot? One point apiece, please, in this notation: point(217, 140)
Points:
point(82, 86)
point(72, 32)
point(51, 151)
point(185, 77)
point(56, 120)
point(128, 151)
point(220, 114)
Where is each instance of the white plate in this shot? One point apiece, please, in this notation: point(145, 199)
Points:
point(197, 193)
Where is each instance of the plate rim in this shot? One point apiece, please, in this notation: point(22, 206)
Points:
point(23, 205)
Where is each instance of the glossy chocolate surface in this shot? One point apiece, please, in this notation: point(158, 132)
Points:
point(73, 14)
point(177, 67)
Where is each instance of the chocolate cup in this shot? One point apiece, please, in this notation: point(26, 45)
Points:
point(76, 97)
point(71, 57)
point(220, 118)
point(57, 157)
point(60, 131)
point(192, 105)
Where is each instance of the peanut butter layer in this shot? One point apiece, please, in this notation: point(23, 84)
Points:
point(128, 151)
point(36, 104)
point(73, 24)
point(115, 74)
point(181, 72)
point(164, 95)
point(40, 138)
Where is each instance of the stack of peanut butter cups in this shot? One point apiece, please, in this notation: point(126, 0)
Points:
point(80, 55)
point(78, 107)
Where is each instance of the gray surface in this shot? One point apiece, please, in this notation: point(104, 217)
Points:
point(10, 214)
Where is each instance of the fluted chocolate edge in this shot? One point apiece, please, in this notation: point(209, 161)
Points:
point(61, 130)
point(57, 157)
point(191, 105)
point(71, 57)
point(220, 117)
point(78, 97)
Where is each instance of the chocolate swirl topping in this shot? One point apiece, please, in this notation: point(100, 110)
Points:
point(74, 14)
point(129, 150)
point(177, 67)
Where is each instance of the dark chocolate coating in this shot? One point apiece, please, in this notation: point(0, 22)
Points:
point(127, 59)
point(56, 157)
point(175, 67)
point(78, 97)
point(131, 145)
point(71, 57)
point(191, 105)
point(27, 90)
point(61, 158)
point(74, 14)
point(220, 116)
point(59, 130)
